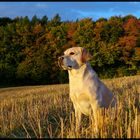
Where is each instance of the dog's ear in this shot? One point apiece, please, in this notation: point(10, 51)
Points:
point(86, 56)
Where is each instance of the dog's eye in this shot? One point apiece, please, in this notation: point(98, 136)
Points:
point(72, 53)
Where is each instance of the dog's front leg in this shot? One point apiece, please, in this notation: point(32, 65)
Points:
point(95, 115)
point(77, 117)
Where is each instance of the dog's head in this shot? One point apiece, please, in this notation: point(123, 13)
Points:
point(74, 58)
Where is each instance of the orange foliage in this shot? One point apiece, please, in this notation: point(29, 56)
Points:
point(71, 29)
point(38, 28)
point(129, 41)
point(137, 53)
point(98, 29)
point(132, 27)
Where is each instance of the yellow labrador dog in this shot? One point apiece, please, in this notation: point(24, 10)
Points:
point(87, 92)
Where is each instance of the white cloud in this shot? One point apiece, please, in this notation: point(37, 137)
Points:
point(95, 15)
point(43, 5)
point(134, 3)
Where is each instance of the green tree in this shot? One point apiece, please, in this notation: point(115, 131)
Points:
point(84, 33)
point(44, 20)
point(5, 20)
point(34, 20)
point(55, 21)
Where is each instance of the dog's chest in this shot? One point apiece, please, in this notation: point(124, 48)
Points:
point(80, 97)
point(77, 89)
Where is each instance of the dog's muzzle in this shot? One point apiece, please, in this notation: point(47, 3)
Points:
point(61, 64)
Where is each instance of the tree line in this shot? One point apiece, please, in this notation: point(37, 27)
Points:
point(29, 48)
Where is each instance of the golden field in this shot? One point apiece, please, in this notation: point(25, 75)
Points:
point(47, 112)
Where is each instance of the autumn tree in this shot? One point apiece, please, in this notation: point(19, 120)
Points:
point(29, 48)
point(129, 40)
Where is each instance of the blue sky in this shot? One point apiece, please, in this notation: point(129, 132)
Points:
point(69, 10)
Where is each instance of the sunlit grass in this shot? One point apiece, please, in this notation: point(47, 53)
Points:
point(47, 111)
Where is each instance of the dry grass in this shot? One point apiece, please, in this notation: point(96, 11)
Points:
point(46, 111)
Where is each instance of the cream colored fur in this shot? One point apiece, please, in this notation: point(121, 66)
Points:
point(87, 92)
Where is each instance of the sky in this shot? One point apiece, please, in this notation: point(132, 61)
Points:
point(69, 10)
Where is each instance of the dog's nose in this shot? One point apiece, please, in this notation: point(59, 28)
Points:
point(61, 58)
